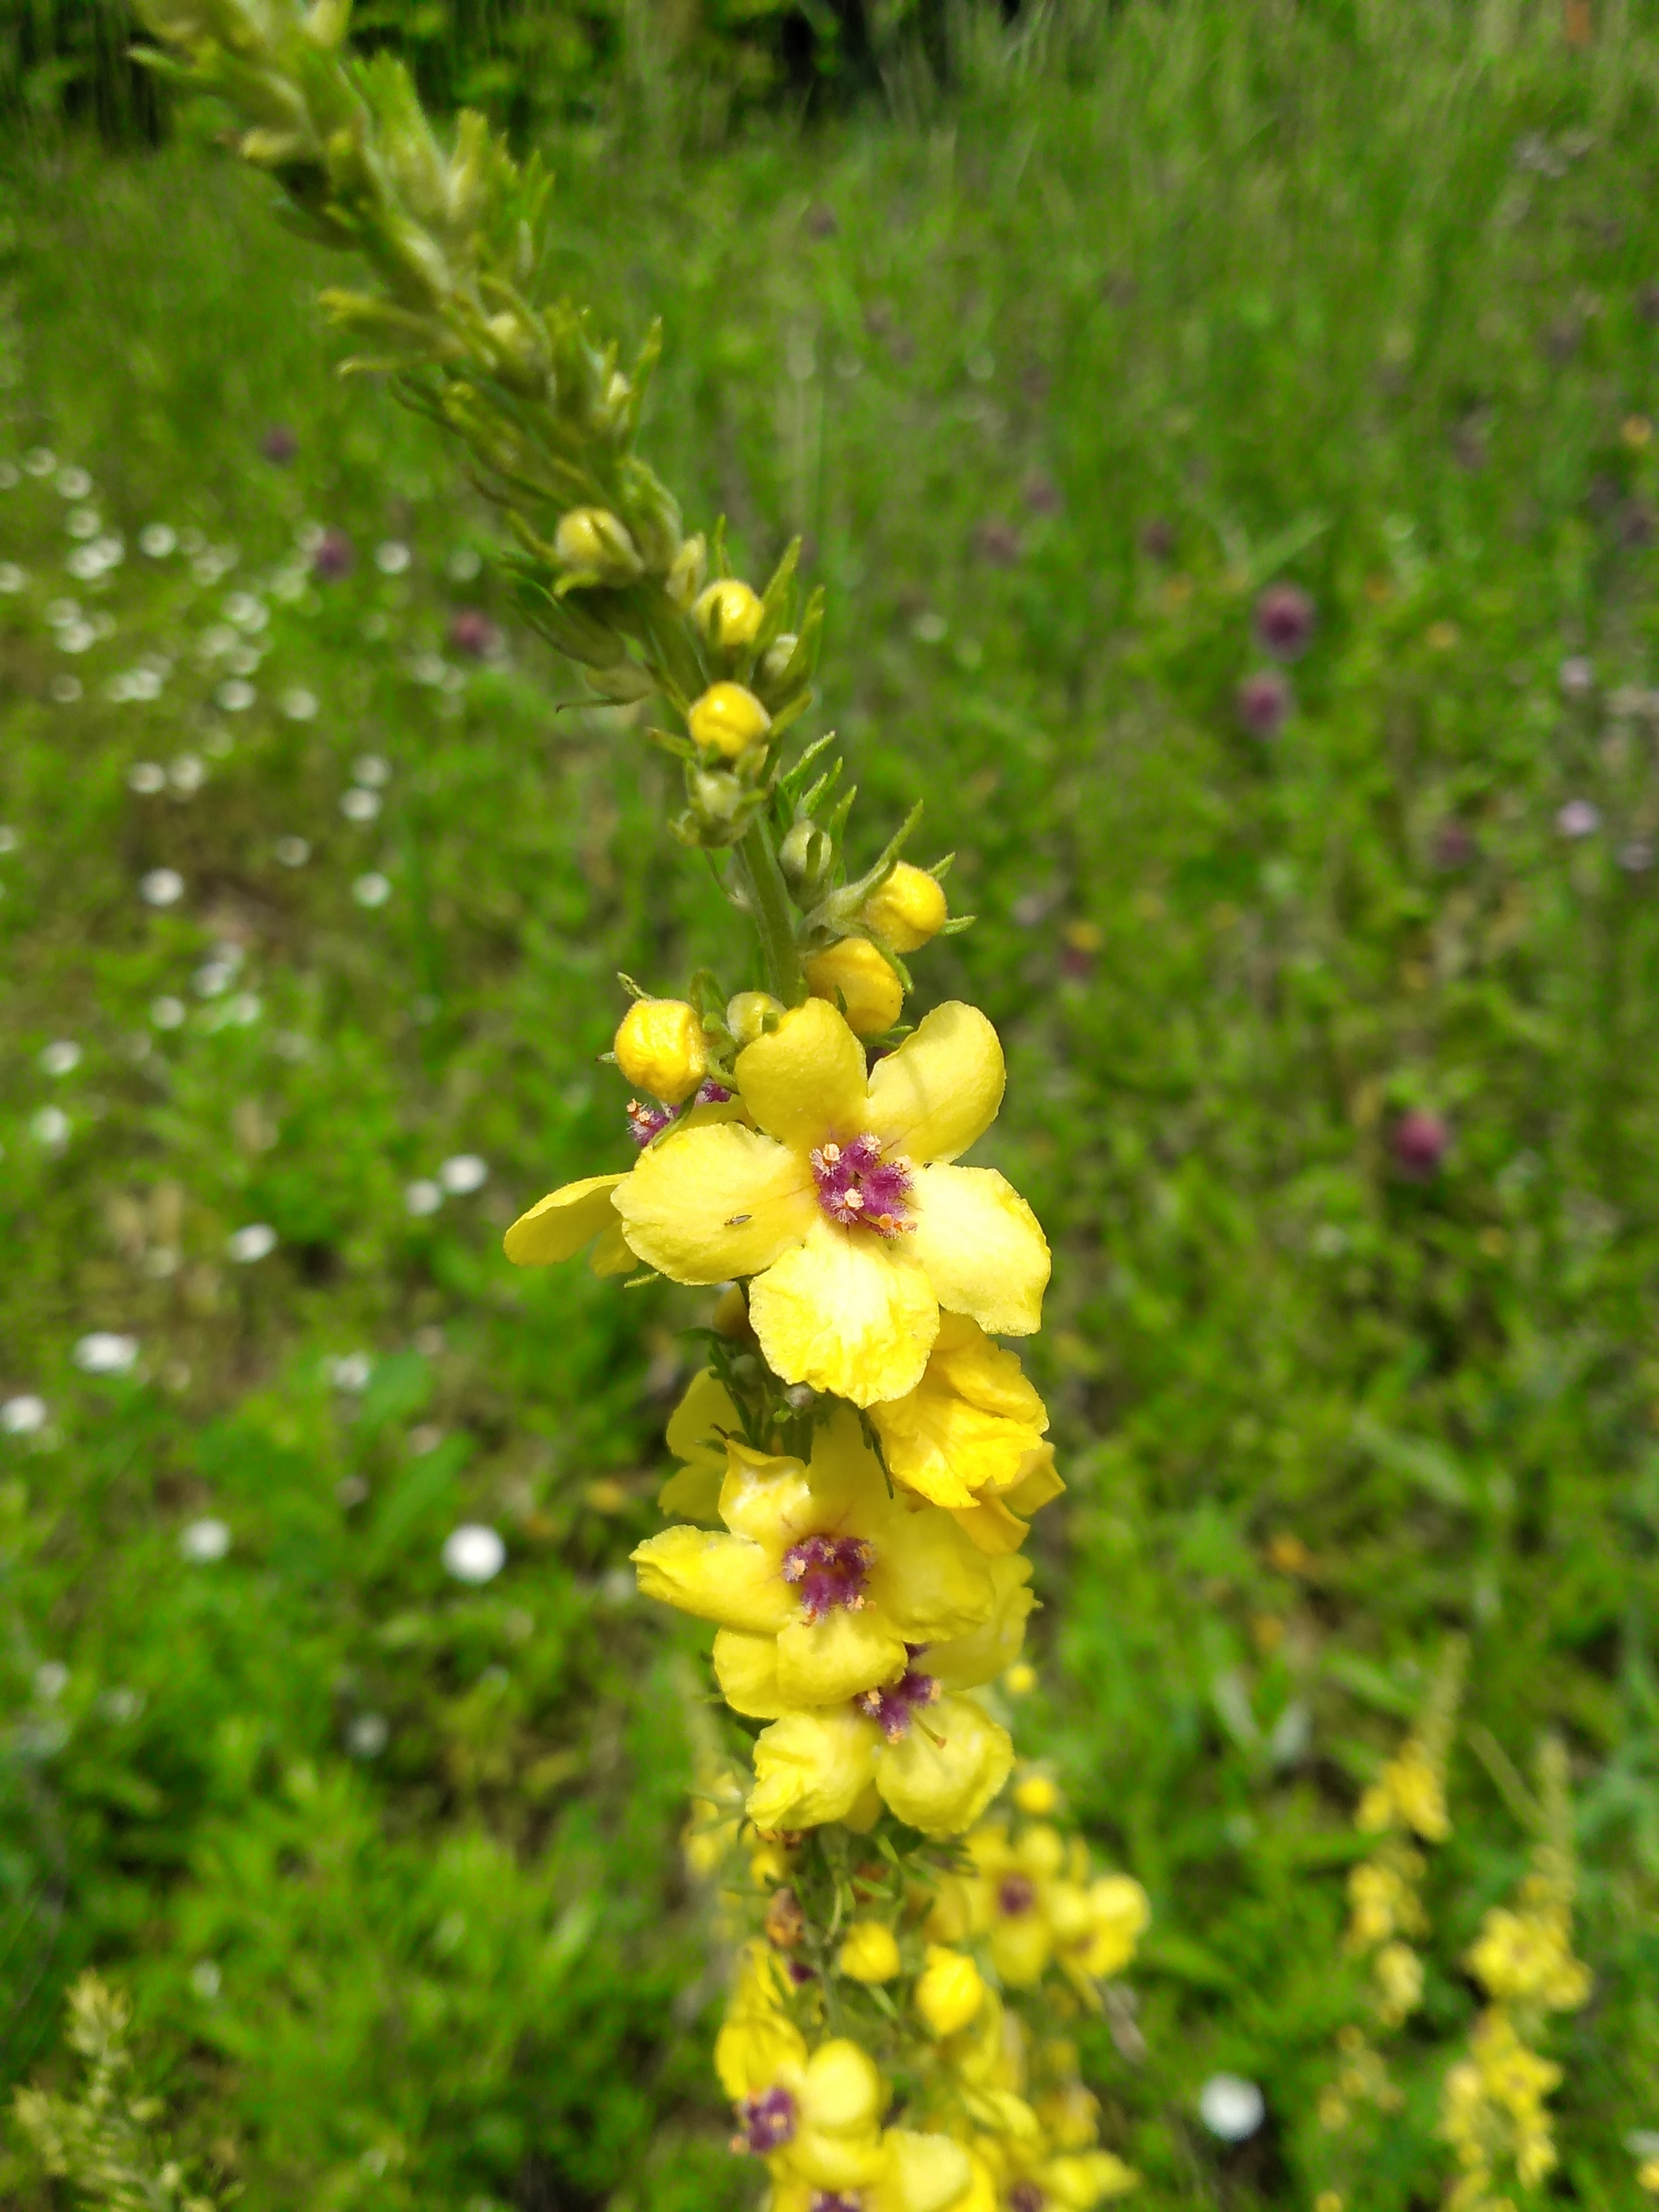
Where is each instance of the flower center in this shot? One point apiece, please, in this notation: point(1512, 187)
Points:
point(1026, 2196)
point(1015, 1895)
point(859, 1189)
point(768, 2121)
point(829, 1571)
point(891, 1709)
point(645, 1122)
point(836, 2200)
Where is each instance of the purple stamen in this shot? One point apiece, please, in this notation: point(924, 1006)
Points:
point(768, 2121)
point(1015, 1895)
point(645, 1122)
point(1026, 2197)
point(831, 1571)
point(713, 1094)
point(893, 1708)
point(836, 2200)
point(859, 1189)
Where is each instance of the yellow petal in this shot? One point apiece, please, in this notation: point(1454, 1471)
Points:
point(983, 1654)
point(946, 1768)
point(921, 2173)
point(805, 1081)
point(693, 1494)
point(1022, 1944)
point(1039, 1481)
point(611, 1254)
point(1080, 2181)
point(700, 1424)
point(942, 1088)
point(967, 1363)
point(841, 2094)
point(716, 1576)
point(811, 1767)
point(990, 1527)
point(980, 1243)
point(767, 1498)
point(927, 1578)
point(746, 1668)
point(849, 1312)
point(710, 1203)
point(557, 1226)
point(825, 1662)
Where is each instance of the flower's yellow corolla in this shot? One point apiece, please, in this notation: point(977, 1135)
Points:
point(949, 1989)
point(939, 1770)
point(970, 1437)
point(814, 2116)
point(1033, 1896)
point(557, 1226)
point(825, 1570)
point(844, 1204)
point(917, 2174)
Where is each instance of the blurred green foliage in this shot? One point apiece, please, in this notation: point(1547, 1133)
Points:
point(1161, 310)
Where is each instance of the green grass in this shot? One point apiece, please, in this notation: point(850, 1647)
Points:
point(1054, 379)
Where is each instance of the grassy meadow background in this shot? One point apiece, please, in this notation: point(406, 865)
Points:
point(1056, 366)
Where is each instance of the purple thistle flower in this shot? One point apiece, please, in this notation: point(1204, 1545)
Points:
point(1264, 703)
point(1420, 1141)
point(335, 556)
point(1285, 622)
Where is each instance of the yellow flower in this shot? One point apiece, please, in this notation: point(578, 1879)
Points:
point(1408, 1794)
point(697, 1433)
point(869, 1952)
point(843, 1204)
point(557, 1227)
point(660, 1048)
point(815, 2119)
point(1399, 1973)
point(908, 909)
point(949, 1989)
point(1034, 1898)
point(822, 1581)
point(854, 973)
point(970, 1437)
point(728, 613)
point(935, 1761)
point(1526, 1957)
point(727, 720)
point(916, 2173)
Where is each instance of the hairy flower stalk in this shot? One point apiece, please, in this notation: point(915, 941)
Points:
point(860, 1459)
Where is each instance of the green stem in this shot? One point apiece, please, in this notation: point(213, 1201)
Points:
point(774, 918)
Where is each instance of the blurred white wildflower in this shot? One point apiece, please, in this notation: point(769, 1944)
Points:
point(106, 1352)
point(372, 890)
point(162, 887)
point(60, 1058)
point(203, 1541)
point(465, 1173)
point(474, 1553)
point(24, 1415)
point(257, 1240)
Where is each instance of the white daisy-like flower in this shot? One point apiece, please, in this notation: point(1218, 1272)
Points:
point(367, 1735)
point(157, 540)
point(162, 887)
point(1231, 2107)
point(360, 806)
point(50, 1128)
point(257, 1240)
point(372, 890)
point(24, 1415)
point(424, 1197)
point(60, 1058)
point(105, 1352)
point(351, 1372)
point(392, 558)
point(463, 1174)
point(474, 1553)
point(202, 1542)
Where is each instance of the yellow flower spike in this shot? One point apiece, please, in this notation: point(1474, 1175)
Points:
point(949, 1990)
point(557, 1227)
point(845, 1203)
point(592, 541)
point(854, 974)
point(1118, 1914)
point(869, 1952)
point(843, 1577)
point(727, 720)
point(660, 1048)
point(751, 1013)
point(1082, 2179)
point(728, 613)
point(908, 910)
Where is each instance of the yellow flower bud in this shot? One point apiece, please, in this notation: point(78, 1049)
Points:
point(728, 719)
point(854, 971)
point(907, 909)
point(660, 1048)
point(1037, 1795)
point(595, 542)
point(949, 1990)
point(728, 613)
point(748, 1014)
point(869, 1952)
point(1020, 1680)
